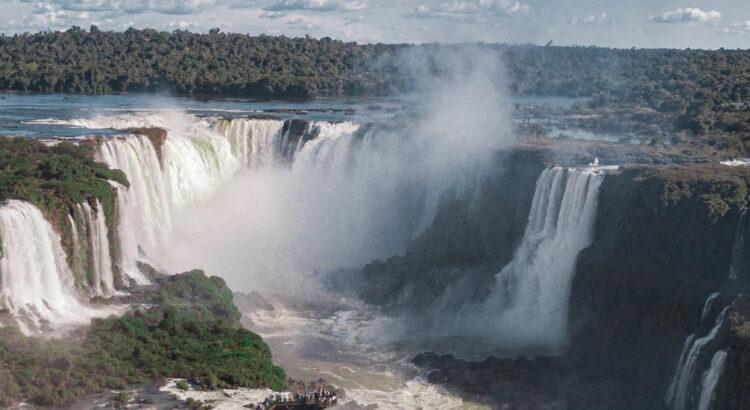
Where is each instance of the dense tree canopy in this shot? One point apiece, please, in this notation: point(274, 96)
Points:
point(654, 92)
point(97, 62)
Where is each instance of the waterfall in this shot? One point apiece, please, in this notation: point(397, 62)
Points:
point(253, 142)
point(195, 166)
point(680, 393)
point(78, 254)
point(710, 379)
point(99, 251)
point(708, 304)
point(530, 302)
point(37, 284)
point(144, 219)
point(738, 264)
point(196, 161)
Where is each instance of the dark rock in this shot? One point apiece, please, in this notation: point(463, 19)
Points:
point(251, 302)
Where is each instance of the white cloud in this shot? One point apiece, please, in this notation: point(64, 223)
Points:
point(591, 19)
point(272, 14)
point(686, 15)
point(302, 24)
point(469, 9)
point(355, 19)
point(316, 5)
point(183, 25)
point(133, 6)
point(742, 28)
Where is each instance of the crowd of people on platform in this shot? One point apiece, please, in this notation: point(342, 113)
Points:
point(321, 397)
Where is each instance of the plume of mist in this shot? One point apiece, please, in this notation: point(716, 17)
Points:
point(348, 199)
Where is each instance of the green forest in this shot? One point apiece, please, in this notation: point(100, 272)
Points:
point(659, 93)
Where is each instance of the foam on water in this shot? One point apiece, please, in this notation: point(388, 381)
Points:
point(338, 345)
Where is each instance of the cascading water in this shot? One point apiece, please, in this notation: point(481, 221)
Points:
point(143, 208)
point(78, 261)
point(739, 264)
point(37, 284)
point(681, 393)
point(708, 304)
point(196, 160)
point(710, 379)
point(530, 302)
point(101, 262)
point(253, 142)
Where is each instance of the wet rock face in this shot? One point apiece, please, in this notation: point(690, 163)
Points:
point(468, 241)
point(295, 132)
point(733, 390)
point(505, 383)
point(662, 245)
point(251, 302)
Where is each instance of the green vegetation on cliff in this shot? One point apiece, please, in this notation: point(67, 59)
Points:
point(56, 178)
point(191, 331)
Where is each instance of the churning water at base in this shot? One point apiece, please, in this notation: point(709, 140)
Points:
point(331, 339)
point(37, 284)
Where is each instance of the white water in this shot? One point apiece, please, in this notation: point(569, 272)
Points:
point(737, 264)
point(335, 343)
point(710, 379)
point(707, 305)
point(739, 162)
point(530, 304)
point(144, 219)
point(253, 142)
point(681, 392)
point(37, 285)
point(198, 158)
point(101, 261)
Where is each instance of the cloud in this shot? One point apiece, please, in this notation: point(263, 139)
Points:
point(133, 6)
point(590, 20)
point(742, 28)
point(272, 14)
point(686, 15)
point(182, 25)
point(469, 9)
point(316, 5)
point(355, 19)
point(302, 24)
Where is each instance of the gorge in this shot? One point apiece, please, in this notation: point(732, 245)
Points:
point(622, 281)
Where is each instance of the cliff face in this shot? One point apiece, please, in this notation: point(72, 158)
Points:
point(733, 390)
point(470, 236)
point(662, 244)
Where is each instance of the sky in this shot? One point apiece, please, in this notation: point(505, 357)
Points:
point(611, 23)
